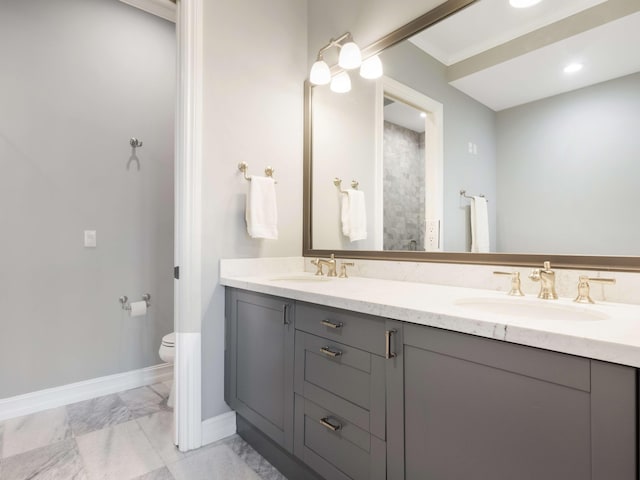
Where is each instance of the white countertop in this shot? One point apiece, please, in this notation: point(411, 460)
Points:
point(614, 339)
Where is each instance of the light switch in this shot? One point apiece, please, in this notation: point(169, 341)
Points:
point(90, 239)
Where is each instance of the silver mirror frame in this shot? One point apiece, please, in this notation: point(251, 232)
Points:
point(587, 262)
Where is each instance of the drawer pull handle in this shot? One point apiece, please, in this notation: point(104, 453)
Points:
point(330, 352)
point(387, 336)
point(334, 427)
point(330, 324)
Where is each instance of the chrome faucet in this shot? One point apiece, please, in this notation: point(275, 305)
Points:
point(331, 265)
point(547, 279)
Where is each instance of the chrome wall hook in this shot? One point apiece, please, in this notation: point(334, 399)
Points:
point(135, 143)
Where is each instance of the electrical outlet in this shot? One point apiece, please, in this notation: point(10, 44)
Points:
point(433, 235)
point(90, 239)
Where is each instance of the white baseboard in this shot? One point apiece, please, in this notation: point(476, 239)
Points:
point(219, 427)
point(76, 392)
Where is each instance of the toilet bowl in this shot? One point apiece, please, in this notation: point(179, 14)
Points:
point(167, 354)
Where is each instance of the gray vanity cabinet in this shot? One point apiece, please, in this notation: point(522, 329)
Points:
point(355, 397)
point(259, 362)
point(461, 406)
point(340, 405)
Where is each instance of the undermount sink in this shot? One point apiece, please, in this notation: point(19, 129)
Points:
point(534, 309)
point(300, 277)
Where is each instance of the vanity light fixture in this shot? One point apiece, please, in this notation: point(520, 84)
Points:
point(341, 83)
point(423, 114)
point(573, 68)
point(371, 68)
point(350, 57)
point(523, 3)
point(320, 72)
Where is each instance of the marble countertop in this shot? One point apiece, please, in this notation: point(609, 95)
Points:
point(615, 338)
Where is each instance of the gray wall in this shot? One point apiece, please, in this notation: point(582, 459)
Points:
point(255, 66)
point(78, 79)
point(568, 172)
point(343, 130)
point(403, 188)
point(465, 120)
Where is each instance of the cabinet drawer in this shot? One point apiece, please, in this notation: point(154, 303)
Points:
point(334, 447)
point(344, 379)
point(355, 329)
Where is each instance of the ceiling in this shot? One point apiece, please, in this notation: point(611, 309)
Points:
point(504, 57)
point(404, 115)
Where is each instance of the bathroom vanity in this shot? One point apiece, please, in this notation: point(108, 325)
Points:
point(404, 381)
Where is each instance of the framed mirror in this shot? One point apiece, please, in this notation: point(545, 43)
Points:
point(535, 110)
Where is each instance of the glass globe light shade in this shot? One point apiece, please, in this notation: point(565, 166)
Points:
point(371, 68)
point(350, 56)
point(341, 83)
point(320, 73)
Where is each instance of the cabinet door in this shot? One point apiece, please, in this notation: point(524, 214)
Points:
point(259, 356)
point(467, 407)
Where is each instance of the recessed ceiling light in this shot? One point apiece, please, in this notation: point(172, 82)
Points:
point(523, 3)
point(573, 67)
point(423, 115)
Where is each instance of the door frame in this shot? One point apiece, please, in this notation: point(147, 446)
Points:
point(188, 225)
point(434, 154)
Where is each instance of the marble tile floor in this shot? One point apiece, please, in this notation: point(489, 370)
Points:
point(119, 437)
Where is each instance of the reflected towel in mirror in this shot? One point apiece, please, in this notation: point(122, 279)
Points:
point(261, 211)
point(354, 215)
point(479, 225)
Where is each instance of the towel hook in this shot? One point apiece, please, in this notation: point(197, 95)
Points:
point(134, 142)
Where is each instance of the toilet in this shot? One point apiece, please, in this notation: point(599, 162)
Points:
point(167, 353)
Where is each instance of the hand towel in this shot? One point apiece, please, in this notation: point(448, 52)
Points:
point(262, 212)
point(354, 215)
point(479, 225)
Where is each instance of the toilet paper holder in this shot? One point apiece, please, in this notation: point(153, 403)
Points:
point(124, 300)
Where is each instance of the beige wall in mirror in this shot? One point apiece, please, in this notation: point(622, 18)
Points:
point(555, 153)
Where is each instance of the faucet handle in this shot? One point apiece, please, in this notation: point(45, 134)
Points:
point(343, 269)
point(318, 264)
point(584, 288)
point(515, 291)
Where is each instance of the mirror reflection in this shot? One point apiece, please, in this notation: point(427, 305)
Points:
point(536, 110)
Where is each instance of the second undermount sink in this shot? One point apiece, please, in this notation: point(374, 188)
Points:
point(533, 309)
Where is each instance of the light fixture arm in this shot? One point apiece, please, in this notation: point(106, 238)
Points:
point(335, 42)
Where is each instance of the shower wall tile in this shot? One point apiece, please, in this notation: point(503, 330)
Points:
point(404, 188)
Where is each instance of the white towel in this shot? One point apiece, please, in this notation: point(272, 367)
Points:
point(479, 225)
point(354, 215)
point(261, 211)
